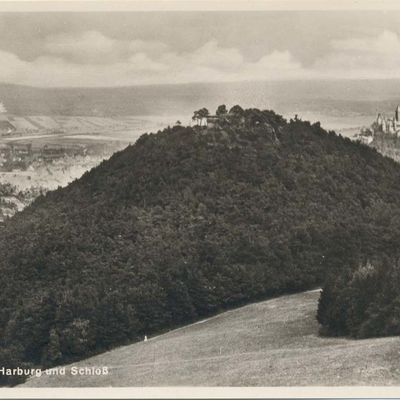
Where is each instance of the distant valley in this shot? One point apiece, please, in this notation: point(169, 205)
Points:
point(337, 104)
point(42, 152)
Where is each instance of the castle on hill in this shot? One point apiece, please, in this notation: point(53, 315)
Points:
point(388, 125)
point(381, 127)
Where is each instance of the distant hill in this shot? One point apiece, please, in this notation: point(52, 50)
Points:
point(183, 224)
point(270, 343)
point(335, 98)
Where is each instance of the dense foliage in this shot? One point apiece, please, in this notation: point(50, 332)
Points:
point(363, 300)
point(182, 224)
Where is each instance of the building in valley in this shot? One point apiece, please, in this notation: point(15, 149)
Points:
point(6, 127)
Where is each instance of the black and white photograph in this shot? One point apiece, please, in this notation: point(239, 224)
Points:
point(198, 197)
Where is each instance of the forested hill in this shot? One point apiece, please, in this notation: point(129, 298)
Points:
point(182, 224)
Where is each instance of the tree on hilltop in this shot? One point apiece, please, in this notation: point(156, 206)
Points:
point(236, 111)
point(200, 115)
point(221, 110)
point(196, 117)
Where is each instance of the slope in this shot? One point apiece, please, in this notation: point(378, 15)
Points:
point(272, 343)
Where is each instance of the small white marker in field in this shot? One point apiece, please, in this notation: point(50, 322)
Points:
point(145, 338)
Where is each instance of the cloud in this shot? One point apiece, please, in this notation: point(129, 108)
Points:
point(93, 47)
point(90, 46)
point(93, 59)
point(152, 47)
point(277, 65)
point(211, 55)
point(55, 71)
point(385, 43)
point(368, 57)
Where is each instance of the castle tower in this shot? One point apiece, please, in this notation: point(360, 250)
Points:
point(397, 114)
point(382, 123)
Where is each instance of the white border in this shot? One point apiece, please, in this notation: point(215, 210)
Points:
point(203, 392)
point(199, 5)
point(196, 5)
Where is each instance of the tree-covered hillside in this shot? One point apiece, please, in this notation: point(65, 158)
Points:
point(184, 223)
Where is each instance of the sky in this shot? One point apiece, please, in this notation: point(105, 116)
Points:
point(135, 48)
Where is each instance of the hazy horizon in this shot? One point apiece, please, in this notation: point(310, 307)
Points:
point(249, 81)
point(338, 105)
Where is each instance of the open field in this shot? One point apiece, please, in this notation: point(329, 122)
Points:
point(271, 343)
point(34, 126)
